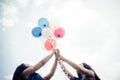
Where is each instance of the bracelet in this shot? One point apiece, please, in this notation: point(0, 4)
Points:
point(66, 73)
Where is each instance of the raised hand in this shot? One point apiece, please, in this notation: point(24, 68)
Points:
point(57, 54)
point(54, 51)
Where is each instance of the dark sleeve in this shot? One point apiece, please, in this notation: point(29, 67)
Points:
point(75, 78)
point(35, 76)
point(87, 66)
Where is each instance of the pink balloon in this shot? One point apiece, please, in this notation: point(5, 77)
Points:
point(50, 44)
point(59, 32)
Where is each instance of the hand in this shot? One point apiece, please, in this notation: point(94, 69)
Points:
point(54, 51)
point(57, 53)
point(59, 58)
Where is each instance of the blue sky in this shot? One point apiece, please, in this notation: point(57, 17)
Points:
point(91, 35)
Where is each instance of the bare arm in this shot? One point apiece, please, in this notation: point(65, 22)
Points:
point(67, 73)
point(79, 68)
point(34, 68)
point(52, 71)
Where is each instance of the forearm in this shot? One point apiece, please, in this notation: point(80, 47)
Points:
point(74, 65)
point(54, 67)
point(67, 73)
point(43, 62)
point(52, 71)
point(79, 68)
point(34, 68)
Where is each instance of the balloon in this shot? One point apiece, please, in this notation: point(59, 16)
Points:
point(54, 23)
point(59, 32)
point(50, 44)
point(47, 33)
point(43, 22)
point(36, 32)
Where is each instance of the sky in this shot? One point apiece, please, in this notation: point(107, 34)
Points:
point(92, 35)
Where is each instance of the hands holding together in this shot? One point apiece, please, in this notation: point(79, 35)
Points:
point(57, 54)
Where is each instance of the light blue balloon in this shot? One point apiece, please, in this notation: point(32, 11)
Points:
point(43, 22)
point(37, 32)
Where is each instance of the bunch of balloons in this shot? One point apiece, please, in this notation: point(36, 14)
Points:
point(47, 31)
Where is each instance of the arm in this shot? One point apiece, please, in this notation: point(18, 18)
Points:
point(34, 68)
point(79, 68)
point(67, 73)
point(52, 71)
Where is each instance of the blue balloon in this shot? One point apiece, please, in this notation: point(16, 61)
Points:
point(37, 32)
point(43, 22)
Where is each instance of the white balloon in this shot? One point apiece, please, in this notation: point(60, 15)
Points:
point(47, 33)
point(54, 23)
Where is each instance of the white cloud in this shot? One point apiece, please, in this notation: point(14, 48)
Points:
point(9, 15)
point(22, 3)
point(8, 22)
point(9, 10)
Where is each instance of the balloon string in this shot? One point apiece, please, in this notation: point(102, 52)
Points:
point(52, 43)
point(51, 28)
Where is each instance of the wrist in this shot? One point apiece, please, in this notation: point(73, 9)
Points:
point(62, 58)
point(52, 53)
point(56, 59)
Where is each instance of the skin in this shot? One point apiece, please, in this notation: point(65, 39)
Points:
point(41, 63)
point(77, 67)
